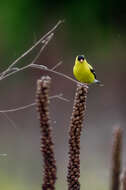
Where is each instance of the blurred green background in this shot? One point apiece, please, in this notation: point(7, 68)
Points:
point(94, 28)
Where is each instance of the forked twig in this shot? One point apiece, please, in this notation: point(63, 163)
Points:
point(57, 73)
point(59, 96)
point(11, 70)
point(45, 39)
point(42, 39)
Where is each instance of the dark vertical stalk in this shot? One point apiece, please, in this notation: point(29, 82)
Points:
point(76, 123)
point(116, 159)
point(46, 143)
point(124, 180)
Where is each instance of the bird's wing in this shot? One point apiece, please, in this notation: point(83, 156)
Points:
point(92, 70)
point(90, 67)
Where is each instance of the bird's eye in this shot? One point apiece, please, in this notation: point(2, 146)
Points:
point(80, 57)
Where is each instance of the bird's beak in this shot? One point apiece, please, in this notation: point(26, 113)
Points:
point(81, 60)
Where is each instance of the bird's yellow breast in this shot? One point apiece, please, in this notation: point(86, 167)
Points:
point(82, 73)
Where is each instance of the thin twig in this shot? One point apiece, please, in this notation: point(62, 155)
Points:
point(27, 66)
point(18, 108)
point(43, 47)
point(58, 73)
point(42, 67)
point(57, 65)
point(35, 45)
point(49, 36)
point(60, 96)
point(14, 72)
point(9, 119)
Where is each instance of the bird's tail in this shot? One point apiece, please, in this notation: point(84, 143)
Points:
point(98, 82)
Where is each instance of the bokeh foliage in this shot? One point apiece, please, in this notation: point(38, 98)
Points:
point(88, 21)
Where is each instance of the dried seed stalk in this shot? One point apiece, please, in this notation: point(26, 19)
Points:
point(76, 123)
point(124, 180)
point(116, 159)
point(46, 143)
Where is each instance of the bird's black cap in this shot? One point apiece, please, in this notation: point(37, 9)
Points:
point(80, 57)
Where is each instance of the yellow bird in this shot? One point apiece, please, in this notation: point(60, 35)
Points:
point(84, 72)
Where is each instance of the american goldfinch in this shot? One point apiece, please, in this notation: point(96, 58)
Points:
point(84, 72)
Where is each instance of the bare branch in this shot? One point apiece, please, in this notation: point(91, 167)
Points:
point(42, 48)
point(41, 40)
point(45, 39)
point(57, 65)
point(59, 96)
point(11, 71)
point(42, 67)
point(58, 73)
point(18, 108)
point(9, 119)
